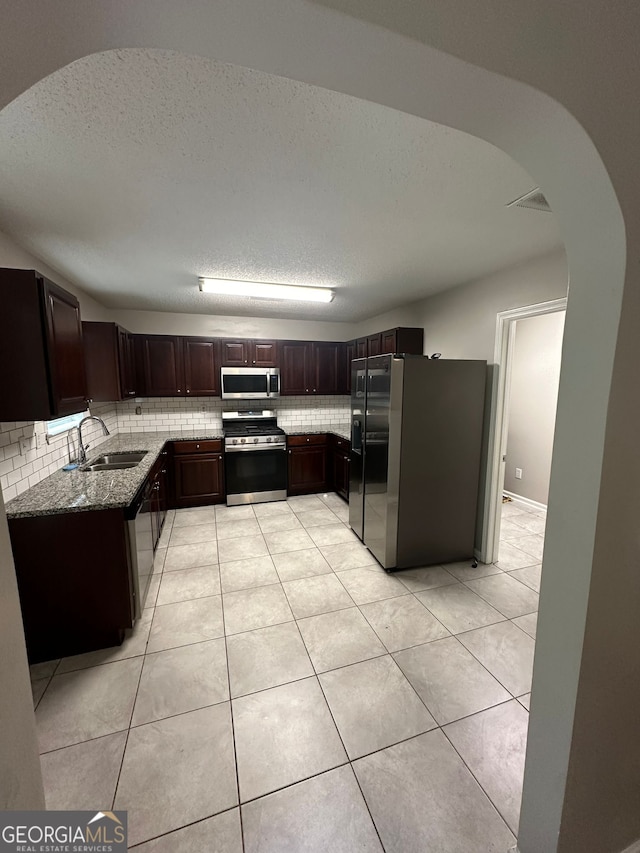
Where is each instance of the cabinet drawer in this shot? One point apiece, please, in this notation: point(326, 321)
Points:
point(341, 443)
point(303, 440)
point(206, 446)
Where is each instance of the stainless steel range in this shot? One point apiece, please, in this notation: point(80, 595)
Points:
point(255, 457)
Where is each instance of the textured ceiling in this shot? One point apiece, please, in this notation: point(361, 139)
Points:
point(133, 172)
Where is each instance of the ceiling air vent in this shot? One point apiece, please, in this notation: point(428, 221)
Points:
point(534, 200)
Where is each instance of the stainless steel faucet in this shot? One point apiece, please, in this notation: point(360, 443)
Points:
point(82, 448)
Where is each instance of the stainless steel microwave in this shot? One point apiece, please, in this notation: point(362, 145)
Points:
point(250, 383)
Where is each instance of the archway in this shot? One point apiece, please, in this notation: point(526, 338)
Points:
point(320, 46)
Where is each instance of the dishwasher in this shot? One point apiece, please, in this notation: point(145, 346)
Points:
point(141, 546)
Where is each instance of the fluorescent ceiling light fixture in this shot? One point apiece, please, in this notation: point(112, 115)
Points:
point(262, 290)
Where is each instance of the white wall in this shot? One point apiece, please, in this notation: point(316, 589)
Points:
point(461, 322)
point(20, 779)
point(535, 377)
point(218, 326)
point(14, 256)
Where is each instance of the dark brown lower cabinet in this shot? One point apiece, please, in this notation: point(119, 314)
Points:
point(307, 464)
point(198, 473)
point(341, 459)
point(76, 594)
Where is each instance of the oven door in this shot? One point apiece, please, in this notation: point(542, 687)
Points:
point(254, 476)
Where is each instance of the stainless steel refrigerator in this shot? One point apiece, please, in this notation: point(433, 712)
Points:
point(416, 435)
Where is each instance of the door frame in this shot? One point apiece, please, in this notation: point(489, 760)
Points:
point(499, 418)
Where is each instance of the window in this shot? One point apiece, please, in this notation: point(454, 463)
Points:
point(60, 425)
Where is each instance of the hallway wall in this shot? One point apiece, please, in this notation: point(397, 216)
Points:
point(535, 376)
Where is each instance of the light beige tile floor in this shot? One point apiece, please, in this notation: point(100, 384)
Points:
point(295, 696)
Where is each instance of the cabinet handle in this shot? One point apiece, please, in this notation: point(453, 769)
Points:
point(314, 390)
point(179, 392)
point(188, 390)
point(197, 447)
point(306, 390)
point(164, 471)
point(308, 439)
point(132, 393)
point(220, 458)
point(289, 453)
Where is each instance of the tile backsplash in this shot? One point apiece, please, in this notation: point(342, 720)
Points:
point(26, 457)
point(173, 413)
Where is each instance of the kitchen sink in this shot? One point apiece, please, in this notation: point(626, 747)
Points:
point(116, 461)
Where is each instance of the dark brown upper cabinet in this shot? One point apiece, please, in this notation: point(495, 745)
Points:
point(329, 368)
point(177, 367)
point(349, 355)
point(295, 367)
point(361, 348)
point(108, 356)
point(42, 373)
point(244, 352)
point(402, 339)
point(374, 344)
point(126, 361)
point(312, 367)
point(163, 366)
point(201, 375)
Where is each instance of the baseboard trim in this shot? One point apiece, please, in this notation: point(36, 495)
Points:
point(635, 848)
point(526, 502)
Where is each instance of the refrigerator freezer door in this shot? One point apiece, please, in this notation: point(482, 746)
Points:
point(356, 476)
point(376, 516)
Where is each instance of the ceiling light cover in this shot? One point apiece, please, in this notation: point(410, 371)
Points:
point(263, 290)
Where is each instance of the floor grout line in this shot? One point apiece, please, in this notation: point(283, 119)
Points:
point(315, 673)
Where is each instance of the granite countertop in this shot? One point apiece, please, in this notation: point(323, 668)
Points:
point(342, 431)
point(80, 491)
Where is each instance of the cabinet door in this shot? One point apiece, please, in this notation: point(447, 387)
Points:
point(201, 374)
point(126, 364)
point(389, 342)
point(361, 348)
point(295, 363)
point(327, 368)
point(198, 479)
point(350, 354)
point(264, 353)
point(307, 469)
point(102, 366)
point(374, 344)
point(341, 473)
point(66, 355)
point(163, 370)
point(235, 353)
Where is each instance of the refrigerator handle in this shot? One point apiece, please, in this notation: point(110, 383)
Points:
point(356, 437)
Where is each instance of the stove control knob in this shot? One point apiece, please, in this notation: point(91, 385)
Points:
point(269, 438)
point(235, 440)
point(256, 440)
point(243, 441)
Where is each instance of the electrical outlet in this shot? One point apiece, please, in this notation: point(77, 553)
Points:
point(518, 473)
point(25, 446)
